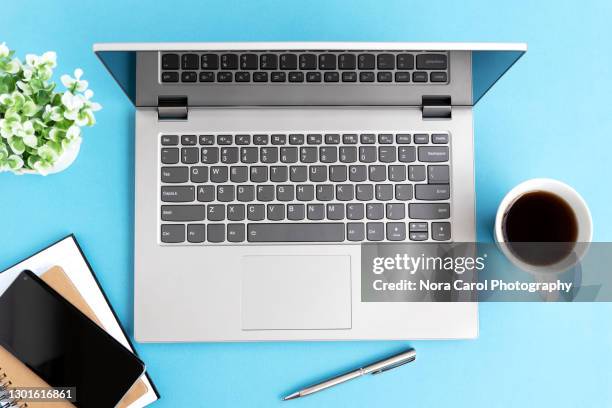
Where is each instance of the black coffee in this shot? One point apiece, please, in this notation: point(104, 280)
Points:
point(540, 217)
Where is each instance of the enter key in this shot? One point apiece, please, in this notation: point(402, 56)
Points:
point(432, 191)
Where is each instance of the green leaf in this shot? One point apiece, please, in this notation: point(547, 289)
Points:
point(16, 145)
point(15, 162)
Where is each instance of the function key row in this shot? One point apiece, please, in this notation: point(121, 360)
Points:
point(304, 61)
point(300, 139)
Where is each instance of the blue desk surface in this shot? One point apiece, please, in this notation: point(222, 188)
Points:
point(548, 117)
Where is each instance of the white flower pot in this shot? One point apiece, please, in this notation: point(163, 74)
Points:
point(64, 161)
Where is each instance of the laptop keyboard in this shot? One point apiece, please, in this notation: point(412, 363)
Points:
point(304, 187)
point(305, 67)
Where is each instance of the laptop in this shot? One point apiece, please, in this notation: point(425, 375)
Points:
point(262, 168)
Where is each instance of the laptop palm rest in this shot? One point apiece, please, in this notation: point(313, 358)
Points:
point(296, 292)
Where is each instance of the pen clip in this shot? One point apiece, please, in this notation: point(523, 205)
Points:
point(392, 366)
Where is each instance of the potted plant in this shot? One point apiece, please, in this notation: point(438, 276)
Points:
point(40, 128)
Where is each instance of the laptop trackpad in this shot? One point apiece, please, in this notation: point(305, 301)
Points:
point(296, 292)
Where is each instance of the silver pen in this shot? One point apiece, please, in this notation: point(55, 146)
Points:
point(375, 368)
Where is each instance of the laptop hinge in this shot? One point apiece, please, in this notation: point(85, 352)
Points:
point(172, 108)
point(436, 107)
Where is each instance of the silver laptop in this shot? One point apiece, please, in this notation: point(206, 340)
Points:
point(261, 169)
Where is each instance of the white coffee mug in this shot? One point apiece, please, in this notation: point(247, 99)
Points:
point(573, 199)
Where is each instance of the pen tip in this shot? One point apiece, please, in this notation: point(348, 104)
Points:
point(292, 396)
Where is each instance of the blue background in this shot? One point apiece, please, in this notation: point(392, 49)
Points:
point(548, 117)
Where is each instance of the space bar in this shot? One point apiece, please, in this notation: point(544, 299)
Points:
point(302, 232)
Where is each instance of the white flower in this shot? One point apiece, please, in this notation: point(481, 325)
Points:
point(14, 66)
point(72, 102)
point(32, 60)
point(73, 132)
point(49, 58)
point(52, 112)
point(4, 50)
point(27, 134)
point(75, 84)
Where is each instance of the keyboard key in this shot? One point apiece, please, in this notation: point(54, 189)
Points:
point(422, 211)
point(170, 61)
point(349, 77)
point(368, 138)
point(308, 154)
point(215, 212)
point(308, 61)
point(239, 174)
point(337, 174)
point(349, 138)
point(332, 138)
point(305, 192)
point(268, 61)
point(358, 173)
point(331, 77)
point(438, 77)
point(189, 76)
point(347, 61)
point(375, 211)
point(296, 212)
point(328, 154)
point(243, 139)
point(210, 61)
point(279, 174)
point(386, 154)
point(189, 155)
point(242, 76)
point(385, 138)
point(183, 213)
point(170, 77)
point(439, 138)
point(432, 192)
point(209, 155)
point(377, 173)
point(396, 231)
point(229, 61)
point(206, 76)
point(248, 155)
point(386, 61)
point(189, 140)
point(402, 138)
point(355, 231)
point(207, 140)
point(433, 153)
point(315, 212)
point(418, 236)
point(285, 192)
point(288, 154)
point(402, 77)
point(218, 174)
point(259, 174)
point(313, 77)
point(375, 231)
point(314, 139)
point(278, 76)
point(348, 154)
point(275, 212)
point(367, 61)
point(268, 155)
point(298, 232)
point(206, 194)
point(367, 154)
point(260, 76)
point(288, 61)
point(416, 173)
point(235, 232)
point(385, 76)
point(406, 154)
point(177, 194)
point(397, 173)
point(418, 227)
point(396, 211)
point(170, 155)
point(174, 174)
point(172, 233)
point(327, 61)
point(437, 174)
point(403, 192)
point(260, 139)
point(384, 192)
point(245, 193)
point(296, 76)
point(405, 61)
point(431, 61)
point(225, 193)
point(421, 138)
point(169, 140)
point(354, 211)
point(196, 233)
point(296, 139)
point(440, 231)
point(279, 139)
point(215, 232)
point(224, 77)
point(325, 192)
point(419, 76)
point(317, 174)
point(366, 76)
point(298, 173)
point(344, 192)
point(190, 61)
point(256, 212)
point(335, 212)
point(364, 192)
point(248, 61)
